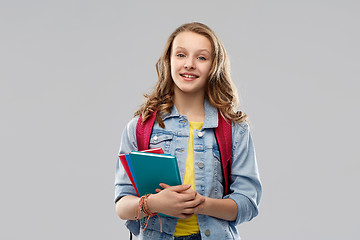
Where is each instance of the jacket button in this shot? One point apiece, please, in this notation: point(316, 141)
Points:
point(207, 232)
point(201, 165)
point(200, 134)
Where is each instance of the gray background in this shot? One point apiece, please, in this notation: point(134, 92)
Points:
point(73, 72)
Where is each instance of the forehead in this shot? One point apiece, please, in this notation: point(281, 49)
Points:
point(192, 42)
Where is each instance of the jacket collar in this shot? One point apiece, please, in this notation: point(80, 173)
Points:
point(211, 115)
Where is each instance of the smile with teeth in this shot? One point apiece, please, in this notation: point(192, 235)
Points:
point(188, 76)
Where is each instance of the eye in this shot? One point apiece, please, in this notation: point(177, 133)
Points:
point(202, 58)
point(180, 55)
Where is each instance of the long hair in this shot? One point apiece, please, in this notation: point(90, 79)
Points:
point(220, 90)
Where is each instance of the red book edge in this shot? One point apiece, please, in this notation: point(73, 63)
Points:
point(126, 167)
point(127, 170)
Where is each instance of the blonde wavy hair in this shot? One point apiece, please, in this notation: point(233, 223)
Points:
point(220, 90)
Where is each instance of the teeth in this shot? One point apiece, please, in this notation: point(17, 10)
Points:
point(189, 76)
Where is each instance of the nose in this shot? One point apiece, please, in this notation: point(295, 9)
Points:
point(189, 64)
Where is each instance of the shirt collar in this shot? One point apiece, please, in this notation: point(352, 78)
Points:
point(211, 115)
point(174, 113)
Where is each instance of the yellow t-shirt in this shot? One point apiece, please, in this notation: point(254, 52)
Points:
point(189, 226)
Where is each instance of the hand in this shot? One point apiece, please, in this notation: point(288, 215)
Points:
point(179, 201)
point(197, 209)
point(198, 197)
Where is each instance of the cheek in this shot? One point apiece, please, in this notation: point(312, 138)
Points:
point(206, 69)
point(172, 69)
point(174, 66)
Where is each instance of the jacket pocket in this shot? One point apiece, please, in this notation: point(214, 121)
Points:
point(161, 140)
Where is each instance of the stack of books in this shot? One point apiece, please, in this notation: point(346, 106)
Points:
point(147, 169)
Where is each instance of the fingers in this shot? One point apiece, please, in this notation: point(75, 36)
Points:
point(194, 203)
point(188, 212)
point(186, 193)
point(164, 185)
point(192, 207)
point(178, 188)
point(178, 201)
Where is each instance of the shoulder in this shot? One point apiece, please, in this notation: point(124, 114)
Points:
point(240, 127)
point(130, 128)
point(132, 123)
point(240, 132)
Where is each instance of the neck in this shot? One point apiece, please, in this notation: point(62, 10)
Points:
point(191, 106)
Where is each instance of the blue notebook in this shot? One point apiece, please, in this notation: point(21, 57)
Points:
point(128, 160)
point(151, 169)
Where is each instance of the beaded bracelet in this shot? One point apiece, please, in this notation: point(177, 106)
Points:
point(143, 208)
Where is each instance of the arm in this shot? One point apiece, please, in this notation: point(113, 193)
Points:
point(178, 201)
point(127, 207)
point(245, 185)
point(124, 191)
point(220, 208)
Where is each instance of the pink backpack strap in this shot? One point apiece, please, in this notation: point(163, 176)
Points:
point(223, 135)
point(143, 131)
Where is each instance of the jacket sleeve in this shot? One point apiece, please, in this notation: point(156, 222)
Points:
point(128, 143)
point(245, 187)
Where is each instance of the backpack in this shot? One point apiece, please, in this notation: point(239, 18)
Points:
point(223, 135)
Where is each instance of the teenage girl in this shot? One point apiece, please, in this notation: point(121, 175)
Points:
point(194, 84)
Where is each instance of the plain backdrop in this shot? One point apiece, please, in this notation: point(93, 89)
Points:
point(72, 73)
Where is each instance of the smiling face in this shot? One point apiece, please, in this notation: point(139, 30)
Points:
point(190, 62)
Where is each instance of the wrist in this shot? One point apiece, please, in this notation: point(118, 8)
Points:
point(151, 203)
point(145, 209)
point(205, 206)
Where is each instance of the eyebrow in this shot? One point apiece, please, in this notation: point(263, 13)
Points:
point(200, 50)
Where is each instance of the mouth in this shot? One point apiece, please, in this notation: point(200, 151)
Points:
point(189, 76)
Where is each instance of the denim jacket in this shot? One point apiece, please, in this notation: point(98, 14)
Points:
point(245, 187)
